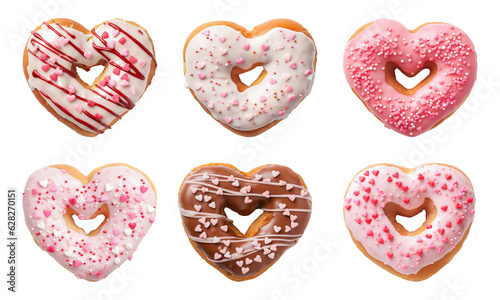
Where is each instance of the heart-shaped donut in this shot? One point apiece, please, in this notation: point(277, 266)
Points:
point(377, 49)
point(57, 47)
point(379, 193)
point(124, 195)
point(216, 53)
point(277, 190)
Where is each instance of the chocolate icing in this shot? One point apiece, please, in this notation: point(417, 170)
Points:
point(269, 241)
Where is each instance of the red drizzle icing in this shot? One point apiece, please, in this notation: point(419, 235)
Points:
point(123, 102)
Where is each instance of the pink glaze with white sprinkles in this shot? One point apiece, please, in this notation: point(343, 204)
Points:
point(286, 55)
point(131, 201)
point(449, 190)
point(54, 50)
point(384, 41)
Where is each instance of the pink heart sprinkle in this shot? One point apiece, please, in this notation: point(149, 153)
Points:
point(87, 54)
point(273, 80)
point(228, 119)
point(116, 231)
point(263, 98)
point(293, 65)
point(114, 241)
point(246, 46)
point(115, 32)
point(104, 198)
point(123, 198)
point(243, 107)
point(46, 67)
point(105, 35)
point(222, 39)
point(281, 113)
point(206, 32)
point(79, 108)
point(142, 63)
point(289, 88)
point(70, 98)
point(265, 47)
point(37, 215)
point(235, 102)
point(132, 59)
point(132, 225)
point(77, 263)
point(47, 213)
point(223, 94)
point(308, 72)
point(122, 40)
point(239, 60)
point(201, 75)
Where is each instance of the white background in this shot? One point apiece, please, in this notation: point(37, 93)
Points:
point(327, 139)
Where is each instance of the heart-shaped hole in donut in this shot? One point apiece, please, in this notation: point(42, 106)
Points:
point(89, 76)
point(247, 78)
point(393, 210)
point(250, 222)
point(88, 227)
point(409, 83)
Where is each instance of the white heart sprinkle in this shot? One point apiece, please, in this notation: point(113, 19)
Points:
point(43, 183)
point(109, 188)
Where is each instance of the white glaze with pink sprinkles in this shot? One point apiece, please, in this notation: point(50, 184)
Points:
point(448, 47)
point(286, 55)
point(369, 192)
point(131, 201)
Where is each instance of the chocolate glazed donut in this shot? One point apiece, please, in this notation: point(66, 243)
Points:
point(276, 189)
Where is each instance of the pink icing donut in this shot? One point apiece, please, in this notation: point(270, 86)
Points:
point(378, 48)
point(123, 194)
point(380, 192)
